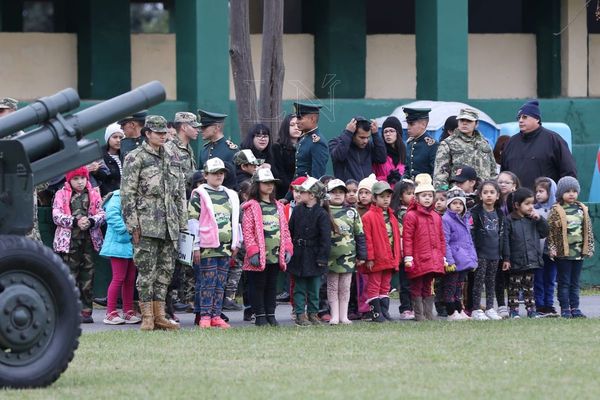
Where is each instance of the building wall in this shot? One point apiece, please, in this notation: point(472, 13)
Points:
point(153, 58)
point(594, 66)
point(391, 67)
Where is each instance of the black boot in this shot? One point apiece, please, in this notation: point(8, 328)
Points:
point(375, 306)
point(261, 320)
point(441, 309)
point(385, 307)
point(271, 320)
point(248, 314)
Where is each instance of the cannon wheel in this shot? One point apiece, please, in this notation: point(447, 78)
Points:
point(39, 314)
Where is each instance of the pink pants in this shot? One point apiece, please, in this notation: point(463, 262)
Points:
point(361, 291)
point(379, 284)
point(123, 280)
point(422, 286)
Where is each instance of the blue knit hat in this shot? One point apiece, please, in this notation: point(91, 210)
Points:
point(532, 109)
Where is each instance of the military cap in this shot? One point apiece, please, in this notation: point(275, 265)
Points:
point(380, 187)
point(468, 113)
point(336, 184)
point(301, 109)
point(246, 157)
point(138, 116)
point(187, 118)
point(415, 114)
point(314, 186)
point(464, 173)
point(214, 165)
point(9, 103)
point(264, 175)
point(208, 118)
point(156, 123)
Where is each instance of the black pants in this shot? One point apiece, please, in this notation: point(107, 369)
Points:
point(501, 286)
point(264, 289)
point(404, 290)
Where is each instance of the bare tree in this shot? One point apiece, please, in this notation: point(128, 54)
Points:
point(268, 110)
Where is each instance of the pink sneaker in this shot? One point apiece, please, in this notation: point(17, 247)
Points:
point(407, 315)
point(218, 322)
point(131, 317)
point(205, 322)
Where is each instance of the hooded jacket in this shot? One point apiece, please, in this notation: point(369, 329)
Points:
point(544, 208)
point(521, 243)
point(379, 248)
point(460, 249)
point(117, 242)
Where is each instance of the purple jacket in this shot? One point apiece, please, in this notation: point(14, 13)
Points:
point(460, 249)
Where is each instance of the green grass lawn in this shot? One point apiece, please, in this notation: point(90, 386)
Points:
point(526, 359)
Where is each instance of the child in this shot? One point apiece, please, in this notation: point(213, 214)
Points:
point(460, 252)
point(466, 179)
point(404, 193)
point(118, 247)
point(310, 227)
point(78, 216)
point(424, 253)
point(440, 306)
point(522, 254)
point(488, 229)
point(352, 194)
point(246, 164)
point(348, 248)
point(545, 277)
point(570, 240)
point(508, 183)
point(383, 251)
point(365, 199)
point(440, 202)
point(214, 213)
point(268, 245)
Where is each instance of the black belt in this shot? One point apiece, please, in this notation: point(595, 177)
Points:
point(304, 242)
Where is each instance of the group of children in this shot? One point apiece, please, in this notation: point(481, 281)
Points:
point(357, 235)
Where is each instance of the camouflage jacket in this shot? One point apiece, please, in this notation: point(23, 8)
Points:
point(458, 150)
point(187, 158)
point(153, 193)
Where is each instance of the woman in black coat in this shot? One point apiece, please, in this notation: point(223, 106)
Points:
point(284, 154)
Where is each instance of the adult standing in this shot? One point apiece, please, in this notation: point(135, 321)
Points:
point(187, 128)
point(395, 151)
point(109, 178)
point(259, 140)
point(466, 146)
point(311, 152)
point(154, 209)
point(420, 147)
point(356, 149)
point(284, 153)
point(216, 146)
point(132, 129)
point(536, 151)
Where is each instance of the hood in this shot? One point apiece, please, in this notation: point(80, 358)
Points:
point(551, 197)
point(116, 193)
point(462, 219)
point(414, 205)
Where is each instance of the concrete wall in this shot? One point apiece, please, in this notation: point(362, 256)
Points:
point(594, 66)
point(298, 59)
point(391, 67)
point(153, 58)
point(37, 64)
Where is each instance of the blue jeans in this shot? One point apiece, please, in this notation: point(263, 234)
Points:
point(211, 276)
point(544, 284)
point(568, 283)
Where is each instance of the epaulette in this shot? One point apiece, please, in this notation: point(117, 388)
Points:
point(231, 145)
point(429, 141)
point(315, 138)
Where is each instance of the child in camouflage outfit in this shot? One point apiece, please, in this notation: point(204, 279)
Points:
point(78, 215)
point(348, 247)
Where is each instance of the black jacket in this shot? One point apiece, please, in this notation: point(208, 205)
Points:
point(351, 162)
point(110, 181)
point(478, 231)
point(284, 164)
point(522, 242)
point(310, 229)
point(539, 153)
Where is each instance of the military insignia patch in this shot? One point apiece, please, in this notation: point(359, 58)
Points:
point(350, 213)
point(231, 145)
point(429, 141)
point(315, 138)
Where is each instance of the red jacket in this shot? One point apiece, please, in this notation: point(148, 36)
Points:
point(423, 240)
point(379, 248)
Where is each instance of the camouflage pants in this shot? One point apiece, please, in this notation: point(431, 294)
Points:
point(517, 282)
point(233, 279)
point(155, 260)
point(81, 264)
point(182, 284)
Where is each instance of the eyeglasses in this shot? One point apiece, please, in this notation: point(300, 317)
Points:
point(261, 135)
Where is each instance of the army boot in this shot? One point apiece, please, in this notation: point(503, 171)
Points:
point(160, 322)
point(313, 318)
point(147, 316)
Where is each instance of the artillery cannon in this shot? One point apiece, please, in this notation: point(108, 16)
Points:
point(39, 302)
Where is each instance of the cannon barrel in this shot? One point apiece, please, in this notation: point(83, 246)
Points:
point(39, 111)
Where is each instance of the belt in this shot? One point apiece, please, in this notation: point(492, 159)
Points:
point(304, 242)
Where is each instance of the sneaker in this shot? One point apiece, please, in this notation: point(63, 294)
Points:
point(249, 314)
point(314, 319)
point(113, 318)
point(219, 322)
point(514, 314)
point(566, 314)
point(131, 317)
point(551, 312)
point(354, 316)
point(479, 315)
point(301, 320)
point(86, 317)
point(576, 313)
point(464, 315)
point(205, 322)
point(224, 317)
point(493, 315)
point(325, 317)
point(533, 314)
point(179, 306)
point(455, 316)
point(407, 315)
point(283, 297)
point(503, 312)
point(231, 305)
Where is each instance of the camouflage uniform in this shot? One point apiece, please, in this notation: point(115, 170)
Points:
point(458, 150)
point(342, 257)
point(153, 202)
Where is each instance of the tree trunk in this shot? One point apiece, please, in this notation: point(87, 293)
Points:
point(241, 65)
point(272, 68)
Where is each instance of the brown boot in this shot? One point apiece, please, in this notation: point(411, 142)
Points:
point(313, 318)
point(417, 303)
point(160, 322)
point(428, 307)
point(147, 316)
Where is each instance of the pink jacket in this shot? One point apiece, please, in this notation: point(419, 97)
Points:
point(61, 215)
point(382, 170)
point(254, 236)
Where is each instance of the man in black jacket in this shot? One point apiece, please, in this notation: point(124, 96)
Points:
point(356, 149)
point(536, 151)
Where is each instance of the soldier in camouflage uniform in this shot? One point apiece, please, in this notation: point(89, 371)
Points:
point(466, 146)
point(348, 248)
point(154, 209)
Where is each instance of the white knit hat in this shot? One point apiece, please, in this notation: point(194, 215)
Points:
point(367, 183)
point(423, 184)
point(110, 130)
